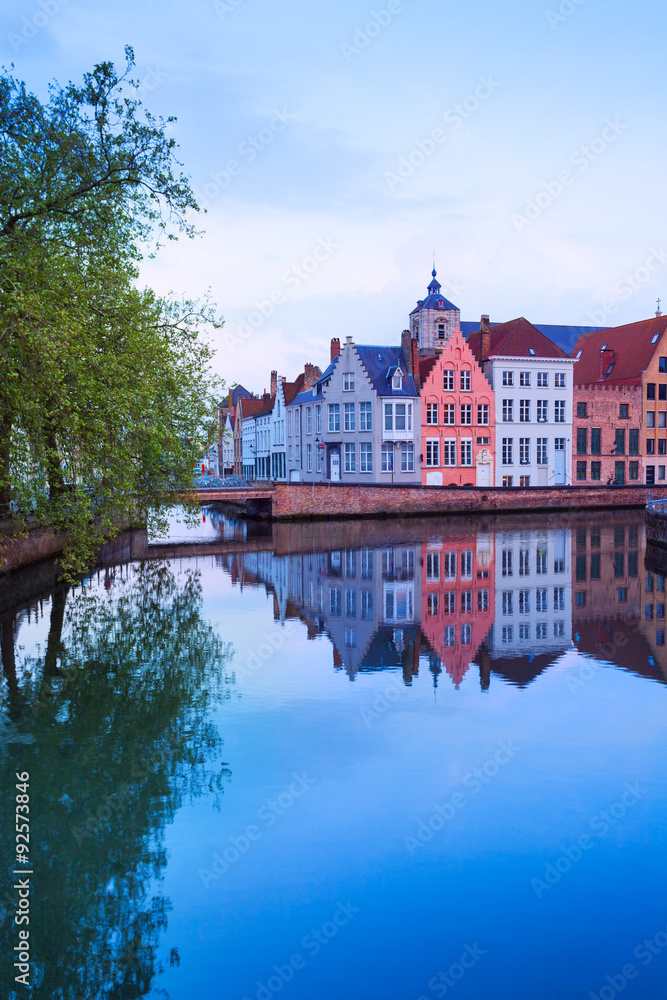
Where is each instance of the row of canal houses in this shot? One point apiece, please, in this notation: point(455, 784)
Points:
point(461, 405)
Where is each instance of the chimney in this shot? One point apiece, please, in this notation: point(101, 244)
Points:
point(311, 373)
point(606, 357)
point(335, 347)
point(414, 350)
point(274, 383)
point(484, 339)
point(406, 347)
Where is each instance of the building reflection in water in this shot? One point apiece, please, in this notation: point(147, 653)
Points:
point(494, 597)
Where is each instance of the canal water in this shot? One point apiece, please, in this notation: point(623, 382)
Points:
point(393, 760)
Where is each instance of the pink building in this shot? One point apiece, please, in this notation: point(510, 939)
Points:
point(458, 418)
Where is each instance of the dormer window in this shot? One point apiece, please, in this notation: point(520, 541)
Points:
point(397, 379)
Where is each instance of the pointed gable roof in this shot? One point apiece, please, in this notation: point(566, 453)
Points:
point(517, 339)
point(629, 347)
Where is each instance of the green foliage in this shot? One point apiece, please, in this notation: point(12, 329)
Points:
point(107, 398)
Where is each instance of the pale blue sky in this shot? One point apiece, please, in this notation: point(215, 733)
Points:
point(355, 104)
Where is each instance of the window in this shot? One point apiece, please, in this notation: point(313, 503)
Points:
point(450, 635)
point(582, 435)
point(309, 458)
point(431, 413)
point(365, 416)
point(449, 603)
point(466, 451)
point(633, 441)
point(508, 451)
point(508, 633)
point(483, 440)
point(559, 598)
point(650, 418)
point(309, 420)
point(466, 564)
point(466, 602)
point(542, 411)
point(319, 451)
point(662, 418)
point(318, 419)
point(350, 602)
point(466, 381)
point(449, 452)
point(581, 410)
point(650, 390)
point(407, 457)
point(619, 442)
point(482, 413)
point(541, 561)
point(596, 443)
point(650, 446)
point(387, 458)
point(508, 602)
point(633, 470)
point(559, 380)
point(524, 562)
point(366, 457)
point(541, 630)
point(507, 480)
point(581, 471)
point(450, 566)
point(662, 390)
point(541, 600)
point(507, 562)
point(348, 381)
point(289, 422)
point(650, 475)
point(397, 380)
point(524, 378)
point(524, 630)
point(389, 416)
point(543, 379)
point(508, 378)
point(662, 365)
point(432, 604)
point(350, 417)
point(524, 602)
point(441, 331)
point(350, 457)
point(466, 413)
point(661, 472)
point(398, 416)
point(334, 418)
point(508, 410)
point(482, 600)
point(524, 451)
point(559, 411)
point(366, 564)
point(432, 452)
point(596, 471)
point(542, 451)
point(623, 411)
point(524, 411)
point(448, 414)
point(335, 601)
point(432, 566)
point(448, 380)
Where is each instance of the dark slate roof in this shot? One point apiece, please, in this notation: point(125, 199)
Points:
point(307, 396)
point(564, 336)
point(378, 362)
point(629, 348)
point(515, 340)
point(240, 392)
point(328, 371)
point(435, 299)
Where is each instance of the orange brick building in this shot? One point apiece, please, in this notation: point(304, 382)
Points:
point(458, 418)
point(620, 405)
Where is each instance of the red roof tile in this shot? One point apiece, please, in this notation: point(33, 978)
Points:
point(629, 348)
point(514, 339)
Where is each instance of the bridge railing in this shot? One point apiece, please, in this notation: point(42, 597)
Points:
point(656, 505)
point(226, 483)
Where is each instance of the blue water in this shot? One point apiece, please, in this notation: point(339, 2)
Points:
point(378, 814)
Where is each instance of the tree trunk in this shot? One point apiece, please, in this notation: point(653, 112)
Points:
point(54, 644)
point(5, 472)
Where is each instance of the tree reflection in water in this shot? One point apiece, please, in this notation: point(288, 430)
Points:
point(113, 724)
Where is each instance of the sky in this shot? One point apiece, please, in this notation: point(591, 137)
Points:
point(337, 146)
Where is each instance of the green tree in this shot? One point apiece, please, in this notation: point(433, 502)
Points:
point(107, 398)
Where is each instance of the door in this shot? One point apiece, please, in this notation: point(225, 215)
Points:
point(335, 466)
point(484, 474)
point(559, 467)
point(619, 473)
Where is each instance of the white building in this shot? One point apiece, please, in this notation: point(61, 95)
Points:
point(533, 380)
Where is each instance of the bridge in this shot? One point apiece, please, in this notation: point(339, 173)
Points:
point(255, 501)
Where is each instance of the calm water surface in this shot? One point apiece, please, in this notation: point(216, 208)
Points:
point(395, 760)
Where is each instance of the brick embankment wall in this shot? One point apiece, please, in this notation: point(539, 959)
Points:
point(656, 529)
point(322, 500)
